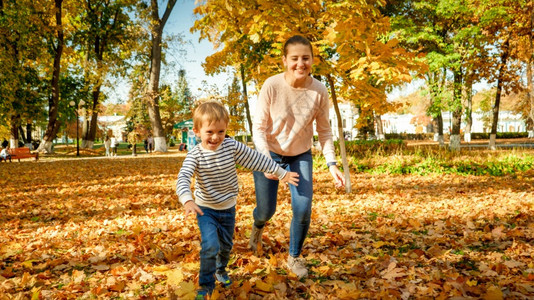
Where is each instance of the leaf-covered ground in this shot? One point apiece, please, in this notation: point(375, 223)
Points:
point(111, 228)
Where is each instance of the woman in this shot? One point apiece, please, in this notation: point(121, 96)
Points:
point(288, 105)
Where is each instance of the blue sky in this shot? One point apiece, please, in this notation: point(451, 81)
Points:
point(188, 56)
point(193, 54)
point(180, 22)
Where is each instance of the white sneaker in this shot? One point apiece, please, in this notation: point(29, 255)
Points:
point(255, 238)
point(298, 266)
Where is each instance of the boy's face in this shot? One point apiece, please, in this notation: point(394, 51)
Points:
point(211, 134)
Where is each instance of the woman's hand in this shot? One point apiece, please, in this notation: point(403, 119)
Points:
point(339, 178)
point(191, 207)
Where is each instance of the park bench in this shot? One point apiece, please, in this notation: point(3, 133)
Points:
point(22, 152)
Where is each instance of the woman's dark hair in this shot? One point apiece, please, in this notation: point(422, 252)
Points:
point(297, 39)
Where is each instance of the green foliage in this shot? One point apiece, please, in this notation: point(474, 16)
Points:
point(361, 148)
point(500, 135)
point(427, 160)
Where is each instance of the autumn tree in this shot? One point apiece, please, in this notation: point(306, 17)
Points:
point(443, 29)
point(184, 99)
point(231, 28)
point(25, 28)
point(349, 51)
point(153, 96)
point(56, 41)
point(102, 42)
point(236, 107)
point(506, 24)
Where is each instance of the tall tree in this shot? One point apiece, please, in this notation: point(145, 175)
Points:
point(53, 102)
point(236, 107)
point(503, 23)
point(156, 31)
point(23, 52)
point(229, 26)
point(347, 48)
point(103, 40)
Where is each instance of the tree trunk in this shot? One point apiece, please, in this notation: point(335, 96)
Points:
point(245, 100)
point(155, 69)
point(22, 135)
point(469, 109)
point(530, 66)
point(435, 107)
point(454, 143)
point(502, 66)
point(14, 130)
point(53, 101)
point(29, 133)
point(92, 126)
point(346, 171)
point(438, 129)
point(379, 128)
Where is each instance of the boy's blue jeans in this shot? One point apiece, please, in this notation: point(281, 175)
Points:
point(217, 233)
point(301, 198)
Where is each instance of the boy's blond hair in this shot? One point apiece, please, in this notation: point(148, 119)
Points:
point(211, 111)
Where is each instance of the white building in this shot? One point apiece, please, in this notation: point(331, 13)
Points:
point(409, 123)
point(349, 117)
point(116, 124)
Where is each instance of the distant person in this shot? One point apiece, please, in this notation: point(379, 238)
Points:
point(107, 145)
point(150, 141)
point(145, 143)
point(213, 163)
point(4, 154)
point(5, 143)
point(114, 144)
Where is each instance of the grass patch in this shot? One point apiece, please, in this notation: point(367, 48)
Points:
point(381, 157)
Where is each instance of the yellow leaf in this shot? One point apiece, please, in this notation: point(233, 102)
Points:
point(160, 270)
point(215, 295)
point(265, 287)
point(175, 277)
point(273, 261)
point(137, 229)
point(28, 264)
point(35, 293)
point(493, 293)
point(379, 244)
point(471, 282)
point(255, 38)
point(185, 287)
point(10, 250)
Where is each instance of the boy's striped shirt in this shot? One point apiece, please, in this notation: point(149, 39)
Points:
point(216, 183)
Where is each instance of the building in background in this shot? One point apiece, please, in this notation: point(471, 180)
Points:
point(412, 124)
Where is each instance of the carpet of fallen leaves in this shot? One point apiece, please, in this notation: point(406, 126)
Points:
point(111, 228)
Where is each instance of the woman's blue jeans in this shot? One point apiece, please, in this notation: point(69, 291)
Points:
point(301, 198)
point(217, 233)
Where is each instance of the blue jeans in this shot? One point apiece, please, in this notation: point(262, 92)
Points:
point(301, 198)
point(217, 233)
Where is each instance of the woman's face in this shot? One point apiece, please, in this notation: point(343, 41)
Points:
point(298, 61)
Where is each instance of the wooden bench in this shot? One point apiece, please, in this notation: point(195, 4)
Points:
point(21, 153)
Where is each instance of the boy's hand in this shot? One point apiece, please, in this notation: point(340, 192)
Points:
point(191, 207)
point(291, 178)
point(270, 176)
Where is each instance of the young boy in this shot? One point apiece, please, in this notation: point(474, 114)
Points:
point(213, 162)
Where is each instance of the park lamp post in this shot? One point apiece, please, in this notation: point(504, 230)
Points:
point(76, 108)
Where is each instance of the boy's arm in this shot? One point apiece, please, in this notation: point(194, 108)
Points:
point(256, 161)
point(183, 184)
